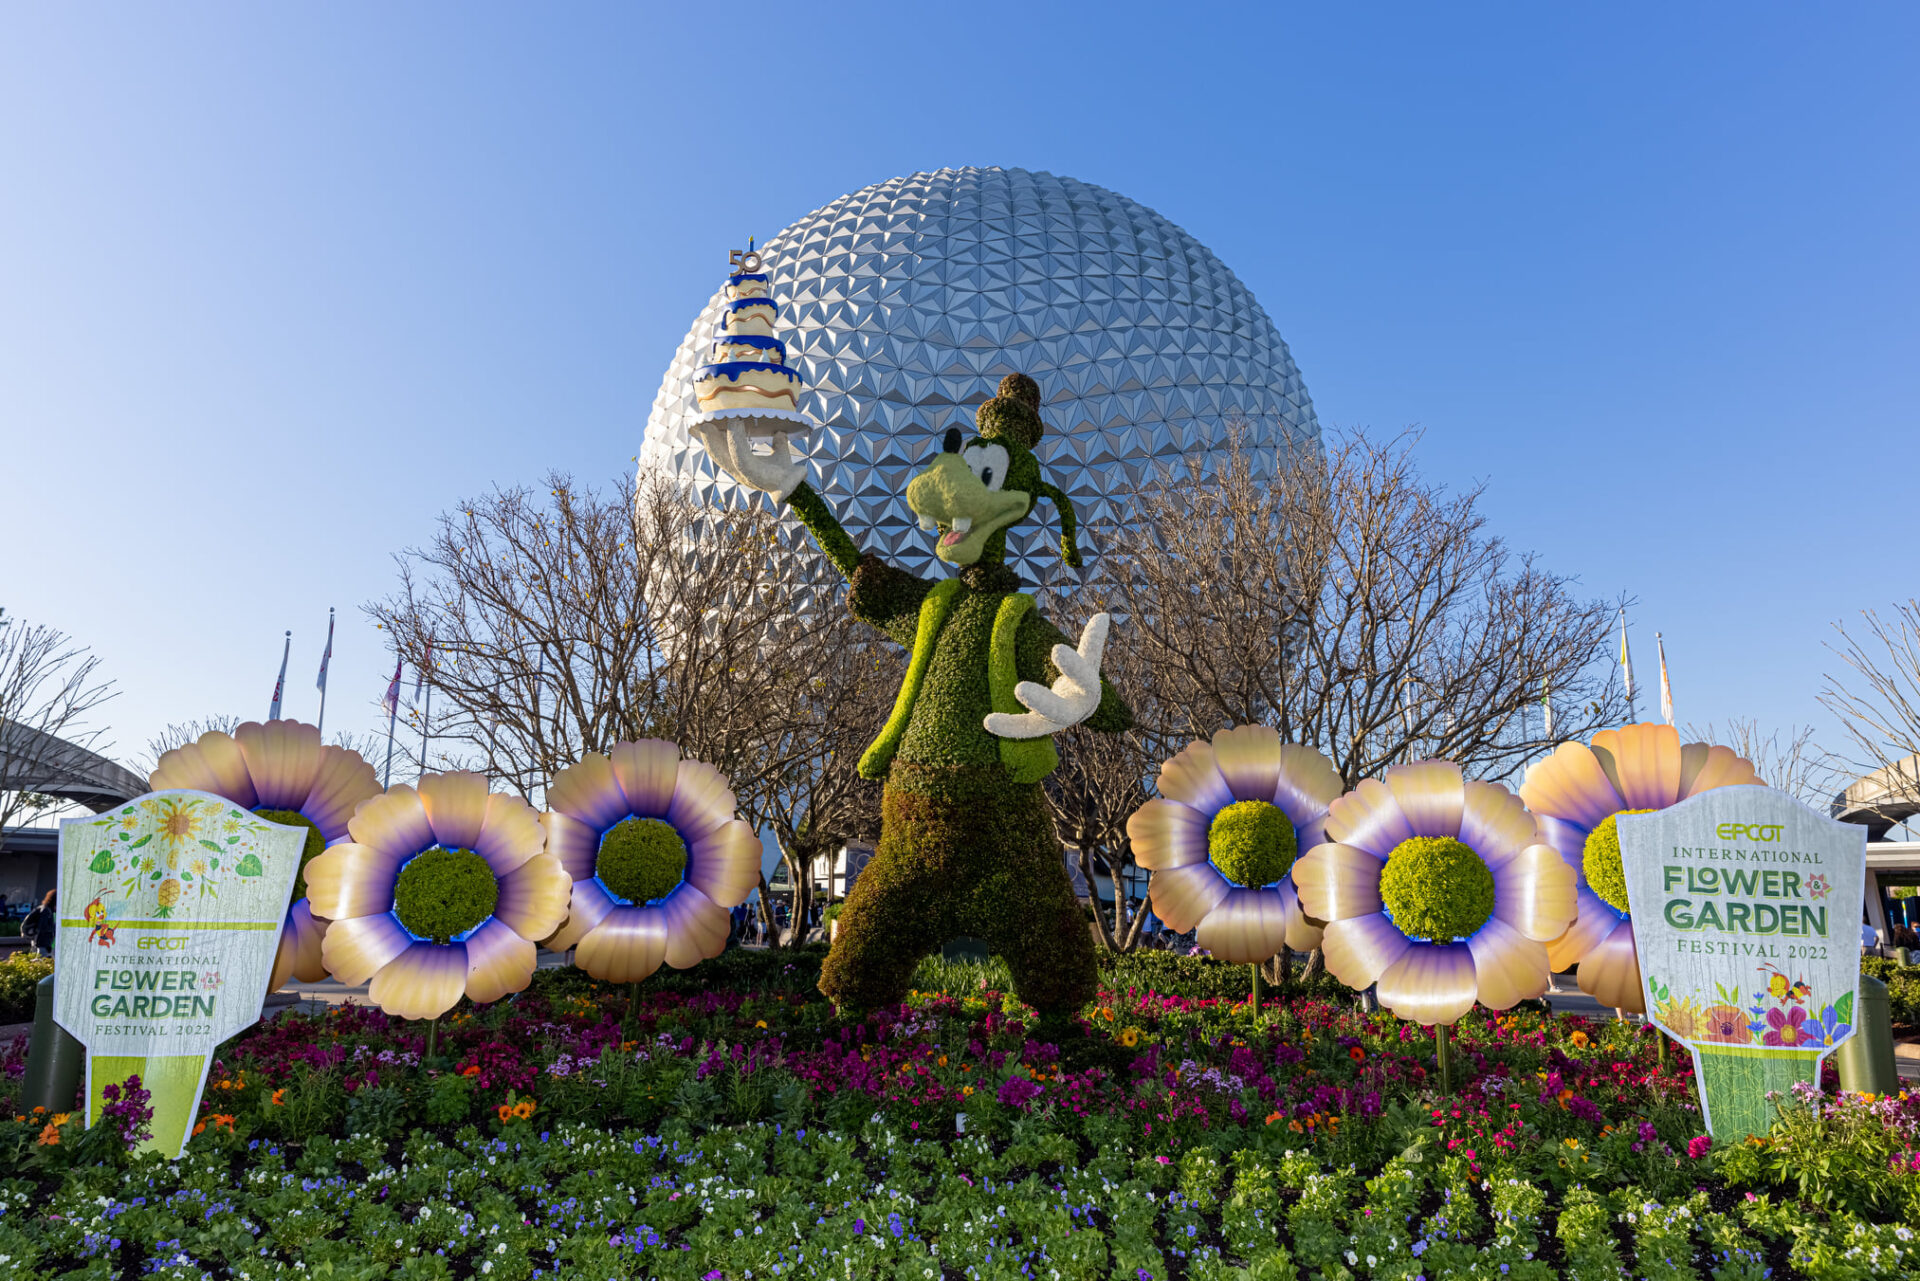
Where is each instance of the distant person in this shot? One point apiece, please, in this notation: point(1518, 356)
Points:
point(39, 927)
point(1869, 937)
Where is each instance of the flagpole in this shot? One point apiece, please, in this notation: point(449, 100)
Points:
point(326, 656)
point(392, 700)
point(280, 683)
point(1626, 668)
point(1666, 687)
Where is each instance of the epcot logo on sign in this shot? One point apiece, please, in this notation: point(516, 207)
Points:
point(1749, 831)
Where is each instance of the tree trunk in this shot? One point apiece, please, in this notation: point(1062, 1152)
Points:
point(1316, 965)
point(1100, 930)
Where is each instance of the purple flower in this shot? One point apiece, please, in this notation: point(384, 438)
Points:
point(1784, 1027)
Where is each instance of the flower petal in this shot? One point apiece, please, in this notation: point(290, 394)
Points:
point(1245, 927)
point(1302, 934)
point(298, 956)
point(1569, 838)
point(1432, 983)
point(1337, 881)
point(1536, 893)
point(588, 791)
point(343, 782)
point(1431, 794)
point(212, 763)
point(1571, 785)
point(1360, 949)
point(283, 759)
point(394, 822)
point(1494, 824)
point(1643, 761)
point(499, 961)
point(1508, 966)
point(1593, 921)
point(1721, 767)
point(456, 805)
point(1308, 784)
point(696, 927)
point(627, 945)
point(349, 880)
point(586, 907)
point(1368, 817)
point(646, 772)
point(1248, 758)
point(576, 845)
point(1182, 896)
point(534, 897)
point(724, 865)
point(423, 982)
point(1610, 972)
point(511, 834)
point(355, 950)
point(702, 800)
point(1167, 834)
point(1191, 777)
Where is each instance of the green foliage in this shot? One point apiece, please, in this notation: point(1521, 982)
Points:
point(442, 892)
point(449, 1099)
point(1601, 861)
point(19, 976)
point(314, 845)
point(1436, 887)
point(1252, 843)
point(641, 859)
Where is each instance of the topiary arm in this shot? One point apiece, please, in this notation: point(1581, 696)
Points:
point(819, 520)
point(888, 598)
point(1033, 658)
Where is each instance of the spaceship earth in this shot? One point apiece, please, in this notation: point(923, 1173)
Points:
point(905, 303)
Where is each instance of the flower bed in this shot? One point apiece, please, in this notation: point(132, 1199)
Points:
point(734, 1128)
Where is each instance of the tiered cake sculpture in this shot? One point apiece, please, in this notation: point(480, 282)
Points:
point(749, 382)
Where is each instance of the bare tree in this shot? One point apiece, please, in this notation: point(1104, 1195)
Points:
point(180, 733)
point(48, 686)
point(1357, 607)
point(1790, 761)
point(1877, 700)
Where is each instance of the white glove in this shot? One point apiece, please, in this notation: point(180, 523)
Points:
point(776, 472)
point(1072, 699)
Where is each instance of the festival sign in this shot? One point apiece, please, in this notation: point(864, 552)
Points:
point(184, 894)
point(1746, 916)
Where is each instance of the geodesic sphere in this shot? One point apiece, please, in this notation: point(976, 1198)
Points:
point(904, 304)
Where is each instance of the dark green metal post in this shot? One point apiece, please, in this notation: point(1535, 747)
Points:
point(1865, 1059)
point(54, 1059)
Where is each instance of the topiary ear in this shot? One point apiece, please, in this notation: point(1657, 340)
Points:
point(1069, 524)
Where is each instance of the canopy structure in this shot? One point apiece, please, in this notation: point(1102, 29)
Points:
point(1888, 796)
point(33, 761)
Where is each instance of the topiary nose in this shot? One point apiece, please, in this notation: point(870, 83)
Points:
point(951, 445)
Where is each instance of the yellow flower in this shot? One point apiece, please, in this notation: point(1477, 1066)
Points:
point(1130, 1037)
point(1572, 1143)
point(760, 1023)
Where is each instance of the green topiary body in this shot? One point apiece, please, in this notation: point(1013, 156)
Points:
point(1252, 843)
point(316, 842)
point(445, 892)
point(641, 859)
point(1437, 888)
point(1600, 862)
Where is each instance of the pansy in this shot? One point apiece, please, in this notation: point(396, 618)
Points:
point(282, 772)
point(441, 893)
point(1222, 836)
point(655, 856)
point(1437, 889)
point(1576, 796)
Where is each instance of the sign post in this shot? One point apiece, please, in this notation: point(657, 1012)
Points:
point(1746, 917)
point(182, 898)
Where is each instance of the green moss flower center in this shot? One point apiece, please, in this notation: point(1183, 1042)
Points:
point(442, 893)
point(1436, 887)
point(315, 843)
point(1252, 843)
point(1601, 862)
point(641, 859)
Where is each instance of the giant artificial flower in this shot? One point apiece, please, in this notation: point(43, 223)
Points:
point(655, 855)
point(1222, 836)
point(1438, 890)
point(1575, 795)
point(441, 893)
point(282, 772)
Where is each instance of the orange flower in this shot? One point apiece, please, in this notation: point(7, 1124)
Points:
point(223, 1121)
point(1564, 1095)
point(943, 1060)
point(471, 1069)
point(1357, 1054)
point(506, 1113)
point(1579, 1040)
point(523, 1109)
point(280, 1097)
point(1294, 1126)
point(50, 1137)
point(199, 1129)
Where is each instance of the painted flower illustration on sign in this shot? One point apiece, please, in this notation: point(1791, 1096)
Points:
point(655, 858)
point(440, 893)
point(1576, 795)
point(1782, 1026)
point(1725, 1025)
point(1818, 886)
point(1222, 837)
point(1438, 889)
point(282, 772)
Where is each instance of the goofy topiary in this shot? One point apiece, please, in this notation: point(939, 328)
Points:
point(967, 843)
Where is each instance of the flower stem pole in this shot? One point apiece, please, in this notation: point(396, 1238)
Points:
point(1259, 984)
point(1660, 1047)
point(1443, 1052)
point(633, 1009)
point(433, 1036)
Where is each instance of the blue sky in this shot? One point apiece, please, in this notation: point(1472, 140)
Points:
point(279, 284)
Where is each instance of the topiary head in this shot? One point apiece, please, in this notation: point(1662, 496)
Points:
point(443, 894)
point(1601, 865)
point(978, 489)
point(1437, 888)
point(640, 859)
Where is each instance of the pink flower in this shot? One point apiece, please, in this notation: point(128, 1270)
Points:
point(1697, 1147)
point(1784, 1026)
